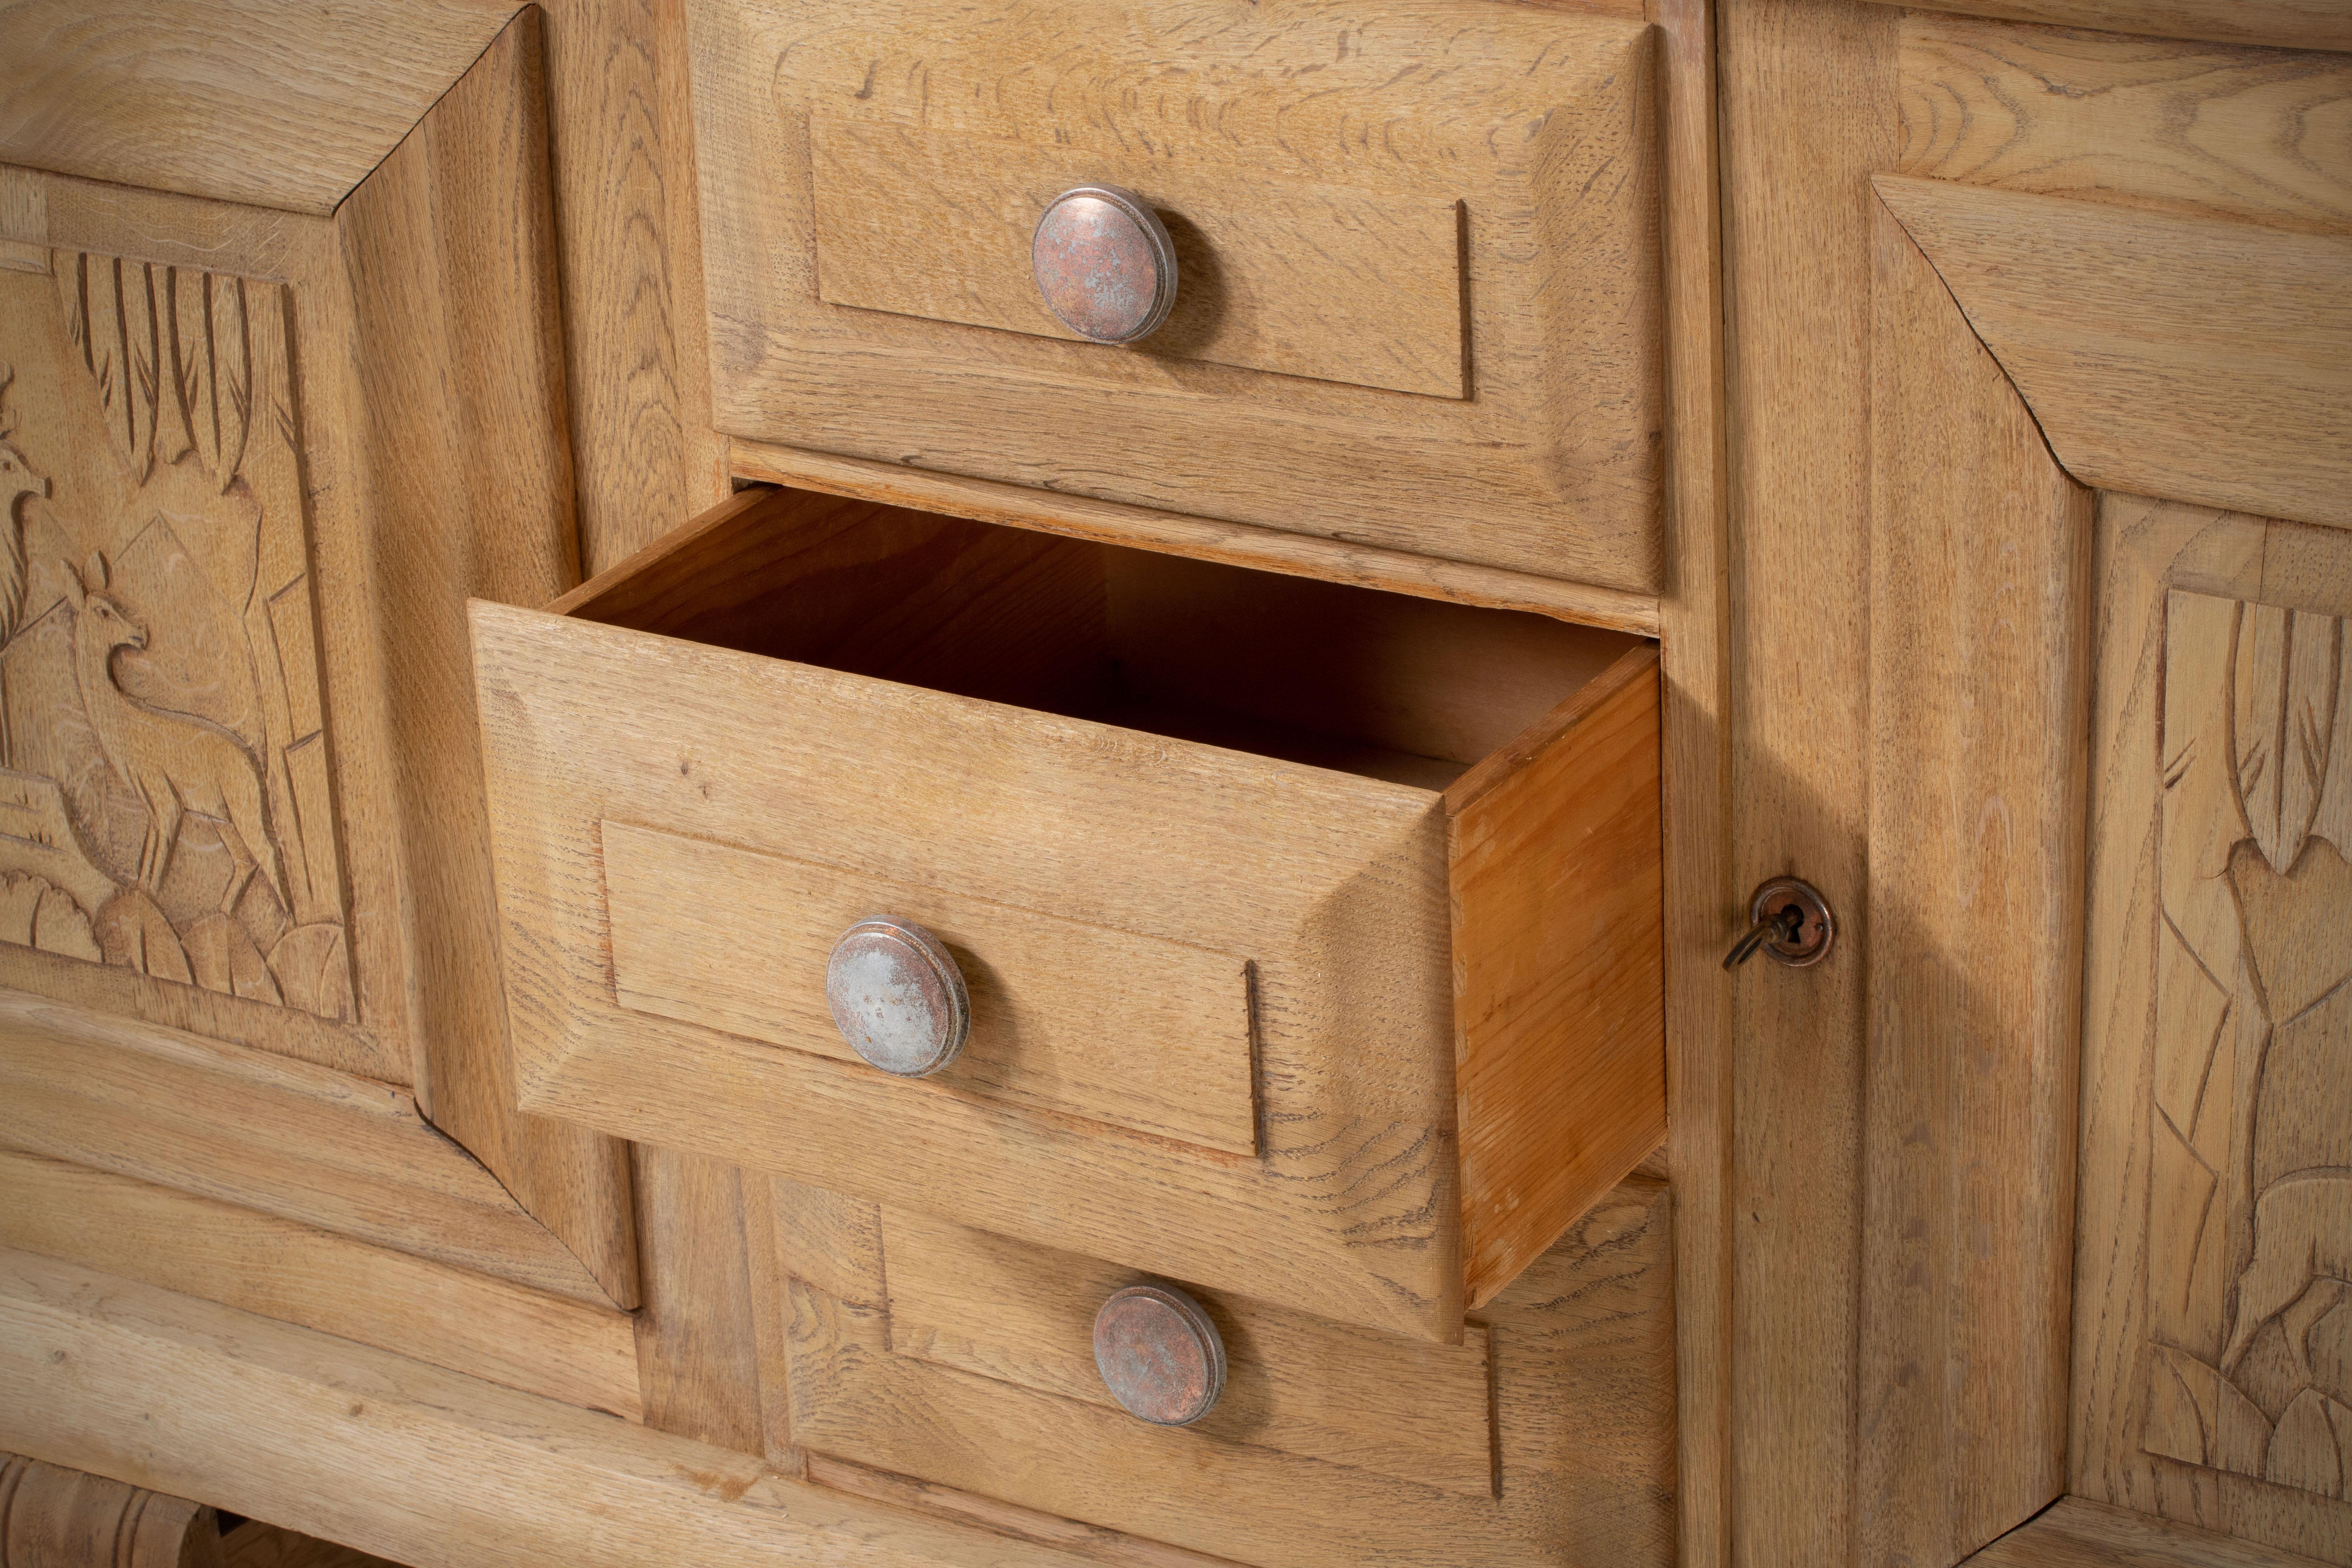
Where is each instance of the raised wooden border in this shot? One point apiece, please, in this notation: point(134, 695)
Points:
point(2285, 24)
point(430, 1468)
point(437, 469)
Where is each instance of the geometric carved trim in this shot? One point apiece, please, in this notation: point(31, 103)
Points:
point(2250, 1113)
point(2106, 318)
point(165, 794)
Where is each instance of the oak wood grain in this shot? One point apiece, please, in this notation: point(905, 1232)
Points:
point(1151, 644)
point(738, 940)
point(1024, 1315)
point(2104, 318)
point(249, 1127)
point(463, 472)
point(454, 1317)
point(2077, 1532)
point(1797, 228)
point(1539, 120)
point(2170, 126)
point(2283, 24)
point(696, 1353)
point(1240, 544)
point(260, 101)
point(430, 1468)
point(1978, 694)
point(1277, 275)
point(2206, 1066)
point(1578, 1359)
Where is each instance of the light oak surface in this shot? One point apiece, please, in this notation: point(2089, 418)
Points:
point(1980, 689)
point(430, 1468)
point(2289, 24)
point(979, 1380)
point(2105, 319)
point(430, 1310)
point(1539, 122)
point(261, 102)
point(252, 1129)
point(1065, 801)
point(2077, 1532)
point(2207, 1326)
point(1280, 275)
point(733, 939)
point(415, 338)
point(2182, 126)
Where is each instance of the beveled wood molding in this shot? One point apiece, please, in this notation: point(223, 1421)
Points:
point(2078, 1532)
point(249, 1127)
point(2104, 316)
point(407, 1460)
point(274, 103)
point(2283, 24)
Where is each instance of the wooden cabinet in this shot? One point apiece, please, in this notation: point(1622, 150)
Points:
point(1601, 456)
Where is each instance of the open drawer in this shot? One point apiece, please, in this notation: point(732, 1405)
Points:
point(1308, 937)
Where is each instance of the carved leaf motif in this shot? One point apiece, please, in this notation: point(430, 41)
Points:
point(2283, 690)
point(71, 271)
point(35, 914)
point(2307, 1450)
point(133, 933)
point(224, 959)
point(314, 973)
point(17, 481)
point(232, 361)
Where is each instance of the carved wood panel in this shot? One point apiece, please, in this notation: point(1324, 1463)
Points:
point(166, 801)
point(2249, 1268)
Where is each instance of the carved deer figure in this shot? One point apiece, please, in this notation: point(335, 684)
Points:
point(176, 762)
point(2303, 1235)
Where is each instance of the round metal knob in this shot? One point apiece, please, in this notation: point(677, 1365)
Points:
point(1159, 1354)
point(898, 996)
point(1105, 263)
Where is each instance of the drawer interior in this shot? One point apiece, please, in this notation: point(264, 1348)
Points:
point(1358, 680)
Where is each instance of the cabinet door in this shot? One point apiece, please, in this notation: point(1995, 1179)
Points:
point(2042, 340)
point(281, 385)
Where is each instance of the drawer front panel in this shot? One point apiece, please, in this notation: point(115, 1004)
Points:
point(1418, 305)
point(1286, 276)
point(1084, 1019)
point(1331, 887)
point(927, 1349)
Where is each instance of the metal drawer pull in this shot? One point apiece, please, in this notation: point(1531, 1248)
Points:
point(1104, 264)
point(898, 996)
point(1159, 1354)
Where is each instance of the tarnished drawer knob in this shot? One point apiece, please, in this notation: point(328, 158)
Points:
point(898, 996)
point(1159, 1354)
point(1105, 263)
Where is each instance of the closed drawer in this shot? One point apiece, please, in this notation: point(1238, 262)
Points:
point(921, 1347)
point(1309, 935)
point(1415, 255)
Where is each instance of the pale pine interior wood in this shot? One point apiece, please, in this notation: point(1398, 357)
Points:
point(1282, 275)
point(1410, 690)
